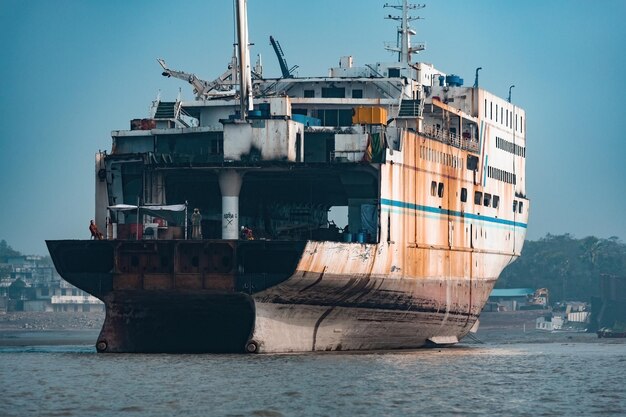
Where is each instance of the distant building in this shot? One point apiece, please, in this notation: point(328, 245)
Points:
point(28, 283)
point(69, 298)
point(549, 323)
point(510, 299)
point(572, 316)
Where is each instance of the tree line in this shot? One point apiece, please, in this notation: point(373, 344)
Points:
point(569, 268)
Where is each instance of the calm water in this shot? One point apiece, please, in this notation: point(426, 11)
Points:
point(493, 379)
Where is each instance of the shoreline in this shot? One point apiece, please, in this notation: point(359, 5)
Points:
point(82, 328)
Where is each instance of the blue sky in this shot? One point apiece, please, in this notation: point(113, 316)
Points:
point(72, 71)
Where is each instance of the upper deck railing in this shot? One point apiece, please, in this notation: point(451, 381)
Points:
point(451, 138)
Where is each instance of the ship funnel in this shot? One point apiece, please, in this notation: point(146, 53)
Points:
point(230, 185)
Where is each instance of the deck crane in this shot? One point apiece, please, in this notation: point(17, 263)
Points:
point(284, 68)
point(223, 86)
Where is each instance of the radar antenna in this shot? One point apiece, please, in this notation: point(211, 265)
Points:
point(403, 41)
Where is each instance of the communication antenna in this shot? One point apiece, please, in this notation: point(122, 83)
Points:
point(403, 41)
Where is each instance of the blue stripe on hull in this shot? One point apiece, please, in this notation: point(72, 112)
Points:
point(452, 213)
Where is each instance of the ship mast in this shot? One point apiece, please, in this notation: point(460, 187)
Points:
point(403, 43)
point(245, 76)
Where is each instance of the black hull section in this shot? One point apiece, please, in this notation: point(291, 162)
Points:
point(165, 322)
point(87, 265)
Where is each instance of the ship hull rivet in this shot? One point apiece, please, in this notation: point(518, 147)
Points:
point(101, 346)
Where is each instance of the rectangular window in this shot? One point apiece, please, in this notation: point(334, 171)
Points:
point(303, 112)
point(440, 190)
point(514, 206)
point(472, 162)
point(357, 93)
point(335, 117)
point(464, 195)
point(496, 112)
point(333, 92)
point(507, 118)
point(496, 201)
point(433, 188)
point(478, 197)
point(501, 114)
point(491, 110)
point(521, 124)
point(487, 200)
point(309, 93)
point(521, 207)
point(485, 108)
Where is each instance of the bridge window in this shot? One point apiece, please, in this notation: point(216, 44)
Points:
point(333, 92)
point(514, 206)
point(496, 201)
point(433, 188)
point(440, 190)
point(335, 117)
point(357, 93)
point(464, 195)
point(309, 93)
point(487, 200)
point(478, 197)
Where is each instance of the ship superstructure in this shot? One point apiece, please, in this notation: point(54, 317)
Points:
point(429, 172)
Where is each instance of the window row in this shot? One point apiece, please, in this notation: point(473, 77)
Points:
point(501, 175)
point(505, 145)
point(334, 92)
point(481, 199)
point(505, 118)
point(441, 157)
point(436, 189)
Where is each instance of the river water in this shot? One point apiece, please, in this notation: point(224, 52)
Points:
point(514, 379)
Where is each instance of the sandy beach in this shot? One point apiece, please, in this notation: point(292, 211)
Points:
point(37, 328)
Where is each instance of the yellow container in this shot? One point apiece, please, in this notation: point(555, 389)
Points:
point(369, 115)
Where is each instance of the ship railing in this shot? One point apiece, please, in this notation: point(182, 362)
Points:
point(451, 138)
point(347, 156)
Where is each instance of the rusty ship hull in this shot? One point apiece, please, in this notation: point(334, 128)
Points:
point(156, 307)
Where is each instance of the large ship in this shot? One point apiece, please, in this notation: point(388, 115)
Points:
point(426, 175)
